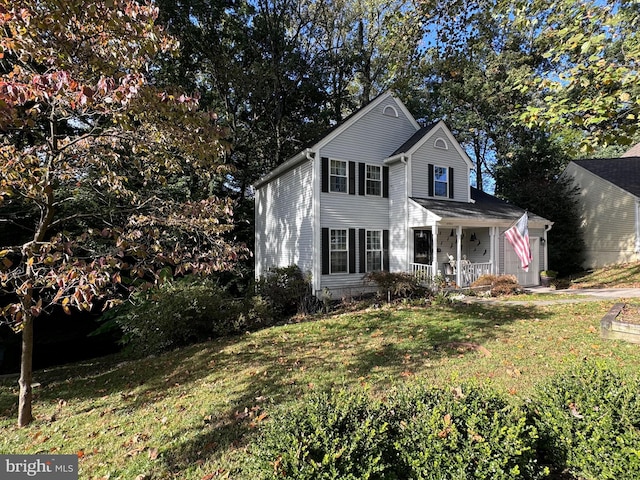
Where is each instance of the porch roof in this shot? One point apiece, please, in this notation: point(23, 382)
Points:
point(485, 207)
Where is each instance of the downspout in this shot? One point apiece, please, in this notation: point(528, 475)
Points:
point(546, 249)
point(315, 223)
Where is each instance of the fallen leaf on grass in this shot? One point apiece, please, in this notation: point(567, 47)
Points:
point(153, 453)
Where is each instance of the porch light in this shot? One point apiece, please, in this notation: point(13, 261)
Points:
point(451, 234)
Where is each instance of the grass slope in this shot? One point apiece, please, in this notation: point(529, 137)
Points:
point(191, 413)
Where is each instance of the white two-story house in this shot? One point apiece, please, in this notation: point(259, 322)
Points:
point(378, 192)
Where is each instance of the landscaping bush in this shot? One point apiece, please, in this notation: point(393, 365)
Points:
point(421, 433)
point(396, 284)
point(184, 312)
point(328, 436)
point(500, 284)
point(589, 422)
point(464, 433)
point(288, 291)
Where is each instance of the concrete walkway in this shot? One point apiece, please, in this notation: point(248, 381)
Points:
point(602, 293)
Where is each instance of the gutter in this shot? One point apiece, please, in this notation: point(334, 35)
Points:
point(306, 154)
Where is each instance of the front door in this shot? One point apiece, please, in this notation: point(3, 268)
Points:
point(422, 247)
point(512, 264)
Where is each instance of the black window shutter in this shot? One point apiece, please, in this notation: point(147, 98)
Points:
point(325, 174)
point(385, 182)
point(430, 180)
point(325, 251)
point(385, 250)
point(352, 178)
point(361, 177)
point(450, 182)
point(352, 250)
point(363, 250)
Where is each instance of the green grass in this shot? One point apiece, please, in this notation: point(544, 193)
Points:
point(192, 412)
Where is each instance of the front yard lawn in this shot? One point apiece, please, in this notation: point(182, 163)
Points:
point(190, 414)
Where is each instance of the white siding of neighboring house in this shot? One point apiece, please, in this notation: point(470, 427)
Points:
point(429, 154)
point(283, 216)
point(370, 139)
point(608, 219)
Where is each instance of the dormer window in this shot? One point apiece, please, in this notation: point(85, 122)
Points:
point(440, 182)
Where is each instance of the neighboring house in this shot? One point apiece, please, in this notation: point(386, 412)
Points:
point(609, 208)
point(380, 193)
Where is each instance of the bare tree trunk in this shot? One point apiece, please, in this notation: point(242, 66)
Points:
point(25, 415)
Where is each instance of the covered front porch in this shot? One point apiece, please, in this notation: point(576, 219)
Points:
point(454, 255)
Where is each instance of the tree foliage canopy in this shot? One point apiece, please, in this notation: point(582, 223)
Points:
point(105, 176)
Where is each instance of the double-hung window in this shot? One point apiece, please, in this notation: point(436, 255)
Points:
point(374, 250)
point(338, 176)
point(441, 182)
point(374, 180)
point(338, 251)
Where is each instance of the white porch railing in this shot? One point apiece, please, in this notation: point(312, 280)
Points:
point(423, 272)
point(470, 272)
point(473, 271)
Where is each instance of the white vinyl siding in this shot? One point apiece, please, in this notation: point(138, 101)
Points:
point(284, 216)
point(608, 219)
point(427, 155)
point(397, 218)
point(369, 140)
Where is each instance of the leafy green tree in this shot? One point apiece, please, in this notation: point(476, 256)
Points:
point(591, 84)
point(102, 171)
point(532, 180)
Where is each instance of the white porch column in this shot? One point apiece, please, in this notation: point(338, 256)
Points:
point(434, 261)
point(492, 248)
point(458, 255)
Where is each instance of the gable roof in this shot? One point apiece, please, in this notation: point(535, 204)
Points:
point(484, 207)
point(415, 138)
point(330, 134)
point(422, 135)
point(623, 172)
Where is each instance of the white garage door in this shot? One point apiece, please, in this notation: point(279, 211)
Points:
point(512, 264)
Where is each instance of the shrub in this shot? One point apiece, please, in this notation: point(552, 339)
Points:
point(589, 422)
point(288, 291)
point(421, 433)
point(180, 313)
point(460, 434)
point(328, 436)
point(396, 284)
point(500, 284)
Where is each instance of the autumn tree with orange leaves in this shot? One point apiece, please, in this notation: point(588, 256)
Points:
point(103, 176)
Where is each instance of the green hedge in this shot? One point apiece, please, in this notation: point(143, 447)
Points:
point(420, 433)
point(589, 422)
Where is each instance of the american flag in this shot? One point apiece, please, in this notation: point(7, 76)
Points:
point(518, 237)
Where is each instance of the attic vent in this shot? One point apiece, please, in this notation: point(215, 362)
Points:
point(441, 143)
point(390, 111)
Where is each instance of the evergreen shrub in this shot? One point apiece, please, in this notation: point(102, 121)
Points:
point(420, 433)
point(589, 422)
